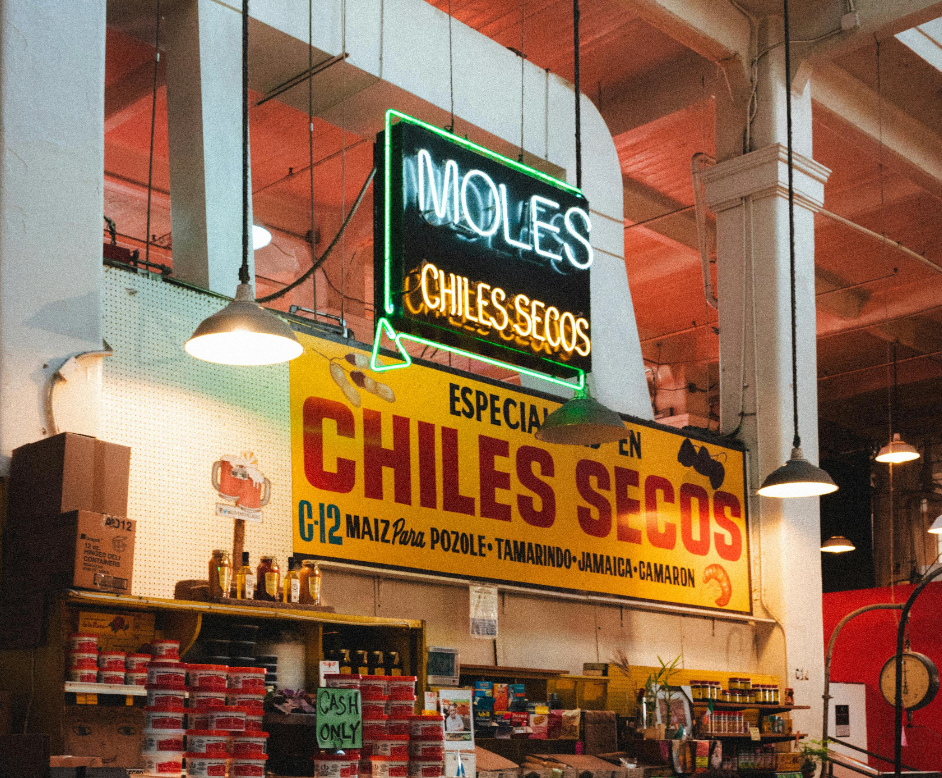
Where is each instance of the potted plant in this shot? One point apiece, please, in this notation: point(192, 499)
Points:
point(814, 753)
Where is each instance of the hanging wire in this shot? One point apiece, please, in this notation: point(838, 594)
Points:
point(523, 62)
point(244, 277)
point(451, 73)
point(343, 166)
point(153, 124)
point(796, 443)
point(575, 58)
point(310, 138)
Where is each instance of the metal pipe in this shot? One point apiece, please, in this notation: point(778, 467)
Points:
point(868, 753)
point(830, 651)
point(699, 201)
point(284, 86)
point(657, 218)
point(900, 635)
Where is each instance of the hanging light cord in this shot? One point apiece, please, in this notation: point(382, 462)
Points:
point(575, 59)
point(523, 62)
point(244, 269)
point(451, 73)
point(796, 443)
point(153, 123)
point(310, 136)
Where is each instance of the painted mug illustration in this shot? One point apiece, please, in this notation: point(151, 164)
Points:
point(239, 478)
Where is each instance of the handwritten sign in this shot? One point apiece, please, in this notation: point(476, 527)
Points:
point(339, 718)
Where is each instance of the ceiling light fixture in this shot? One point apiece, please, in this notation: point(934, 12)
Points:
point(936, 528)
point(897, 450)
point(837, 544)
point(261, 237)
point(797, 477)
point(244, 333)
point(582, 421)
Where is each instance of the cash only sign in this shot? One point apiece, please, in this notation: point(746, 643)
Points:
point(430, 470)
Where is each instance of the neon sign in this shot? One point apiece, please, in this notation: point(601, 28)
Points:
point(480, 254)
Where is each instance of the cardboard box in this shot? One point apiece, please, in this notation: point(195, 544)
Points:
point(118, 631)
point(68, 472)
point(113, 733)
point(80, 549)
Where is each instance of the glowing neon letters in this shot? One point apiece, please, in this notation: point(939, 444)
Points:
point(472, 203)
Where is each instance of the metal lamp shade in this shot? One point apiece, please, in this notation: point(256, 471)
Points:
point(797, 478)
point(896, 451)
point(244, 333)
point(837, 545)
point(582, 421)
point(936, 528)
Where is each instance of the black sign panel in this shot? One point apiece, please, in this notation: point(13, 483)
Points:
point(478, 252)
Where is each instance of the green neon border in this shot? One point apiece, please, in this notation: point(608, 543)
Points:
point(389, 308)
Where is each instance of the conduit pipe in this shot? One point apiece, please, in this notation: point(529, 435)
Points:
point(700, 209)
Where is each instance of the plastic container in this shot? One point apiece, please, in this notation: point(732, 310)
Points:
point(207, 742)
point(205, 765)
point(168, 763)
point(333, 766)
point(209, 676)
point(83, 676)
point(164, 739)
point(249, 699)
point(432, 768)
point(373, 708)
point(386, 767)
point(374, 684)
point(248, 767)
point(207, 698)
point(165, 698)
point(401, 726)
point(136, 663)
point(427, 750)
point(400, 709)
point(113, 677)
point(250, 744)
point(83, 660)
point(401, 687)
point(395, 746)
point(111, 660)
point(135, 679)
point(85, 642)
point(375, 728)
point(247, 678)
point(229, 718)
point(350, 681)
point(166, 649)
point(166, 675)
point(427, 727)
point(253, 721)
point(165, 718)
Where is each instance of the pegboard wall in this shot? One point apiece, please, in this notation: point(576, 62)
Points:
point(179, 415)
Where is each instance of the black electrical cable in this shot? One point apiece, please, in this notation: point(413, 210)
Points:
point(244, 269)
point(317, 263)
point(153, 122)
point(310, 133)
point(575, 58)
point(796, 443)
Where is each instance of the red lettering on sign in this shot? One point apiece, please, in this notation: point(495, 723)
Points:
point(491, 478)
point(527, 456)
point(596, 526)
point(375, 457)
point(315, 411)
point(701, 544)
point(452, 498)
point(666, 538)
point(428, 477)
point(729, 549)
point(625, 506)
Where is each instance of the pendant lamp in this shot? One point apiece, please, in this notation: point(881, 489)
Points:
point(897, 450)
point(582, 421)
point(936, 528)
point(244, 333)
point(837, 544)
point(797, 477)
point(261, 237)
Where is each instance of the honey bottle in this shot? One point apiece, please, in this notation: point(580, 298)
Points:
point(292, 584)
point(220, 574)
point(268, 578)
point(310, 577)
point(361, 666)
point(346, 666)
point(393, 663)
point(245, 580)
point(376, 664)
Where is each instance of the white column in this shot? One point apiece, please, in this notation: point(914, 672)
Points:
point(749, 195)
point(52, 69)
point(204, 113)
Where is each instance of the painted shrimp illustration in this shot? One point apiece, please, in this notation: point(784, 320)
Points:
point(718, 573)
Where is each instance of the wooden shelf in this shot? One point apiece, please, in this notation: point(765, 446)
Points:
point(764, 707)
point(766, 737)
point(508, 672)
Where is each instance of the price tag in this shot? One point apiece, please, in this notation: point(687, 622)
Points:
point(754, 733)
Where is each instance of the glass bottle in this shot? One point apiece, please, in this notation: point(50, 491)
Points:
point(346, 666)
point(245, 580)
point(268, 578)
point(393, 663)
point(292, 584)
point(361, 666)
point(310, 577)
point(376, 664)
point(220, 573)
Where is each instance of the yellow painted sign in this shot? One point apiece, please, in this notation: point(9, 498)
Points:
point(429, 470)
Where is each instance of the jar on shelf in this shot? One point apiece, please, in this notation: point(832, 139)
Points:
point(220, 573)
point(267, 579)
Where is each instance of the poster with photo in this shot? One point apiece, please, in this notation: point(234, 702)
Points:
point(459, 720)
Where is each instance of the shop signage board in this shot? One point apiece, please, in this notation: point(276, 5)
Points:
point(479, 253)
point(429, 470)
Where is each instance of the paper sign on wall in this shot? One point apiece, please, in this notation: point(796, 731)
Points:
point(459, 720)
point(339, 718)
point(483, 612)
